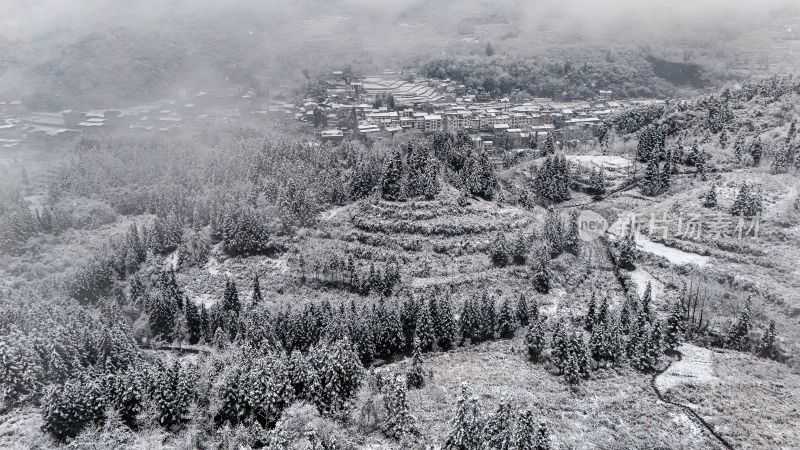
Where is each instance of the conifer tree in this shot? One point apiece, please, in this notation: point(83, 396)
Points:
point(519, 249)
point(738, 147)
point(424, 330)
point(710, 199)
point(465, 431)
point(549, 145)
point(525, 432)
point(739, 333)
point(647, 297)
point(626, 248)
point(478, 175)
point(723, 139)
point(674, 329)
point(541, 271)
point(523, 316)
point(535, 340)
point(230, 299)
point(747, 202)
point(498, 431)
point(572, 240)
point(256, 298)
point(543, 438)
point(415, 378)
point(780, 163)
point(72, 407)
point(767, 347)
point(392, 184)
point(559, 347)
point(174, 390)
point(469, 321)
point(193, 324)
point(487, 313)
point(553, 233)
point(579, 349)
point(652, 178)
point(399, 421)
point(163, 317)
point(506, 323)
point(390, 340)
point(445, 325)
point(597, 182)
point(756, 150)
point(590, 319)
point(498, 251)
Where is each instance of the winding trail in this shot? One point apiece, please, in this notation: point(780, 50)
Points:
point(688, 410)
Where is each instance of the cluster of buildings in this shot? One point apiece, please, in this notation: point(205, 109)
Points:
point(19, 124)
point(390, 103)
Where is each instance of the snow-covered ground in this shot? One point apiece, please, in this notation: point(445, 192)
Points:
point(641, 277)
point(607, 162)
point(673, 255)
point(696, 367)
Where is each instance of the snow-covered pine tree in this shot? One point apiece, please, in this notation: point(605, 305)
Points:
point(780, 160)
point(424, 330)
point(553, 232)
point(559, 347)
point(577, 346)
point(173, 393)
point(674, 329)
point(519, 249)
point(465, 432)
point(747, 202)
point(468, 322)
point(393, 183)
point(597, 182)
point(498, 431)
point(543, 438)
point(738, 147)
point(498, 250)
point(506, 323)
point(541, 271)
point(230, 299)
point(415, 377)
point(70, 408)
point(256, 298)
point(626, 251)
point(445, 324)
point(710, 199)
point(590, 319)
point(399, 422)
point(525, 432)
point(739, 334)
point(756, 150)
point(194, 326)
point(651, 185)
point(572, 240)
point(488, 317)
point(694, 156)
point(535, 340)
point(767, 347)
point(522, 313)
point(549, 144)
point(647, 298)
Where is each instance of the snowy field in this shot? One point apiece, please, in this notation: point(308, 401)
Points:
point(696, 367)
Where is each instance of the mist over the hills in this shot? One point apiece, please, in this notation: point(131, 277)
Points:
point(103, 53)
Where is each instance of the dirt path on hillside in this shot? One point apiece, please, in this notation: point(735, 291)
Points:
point(694, 364)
